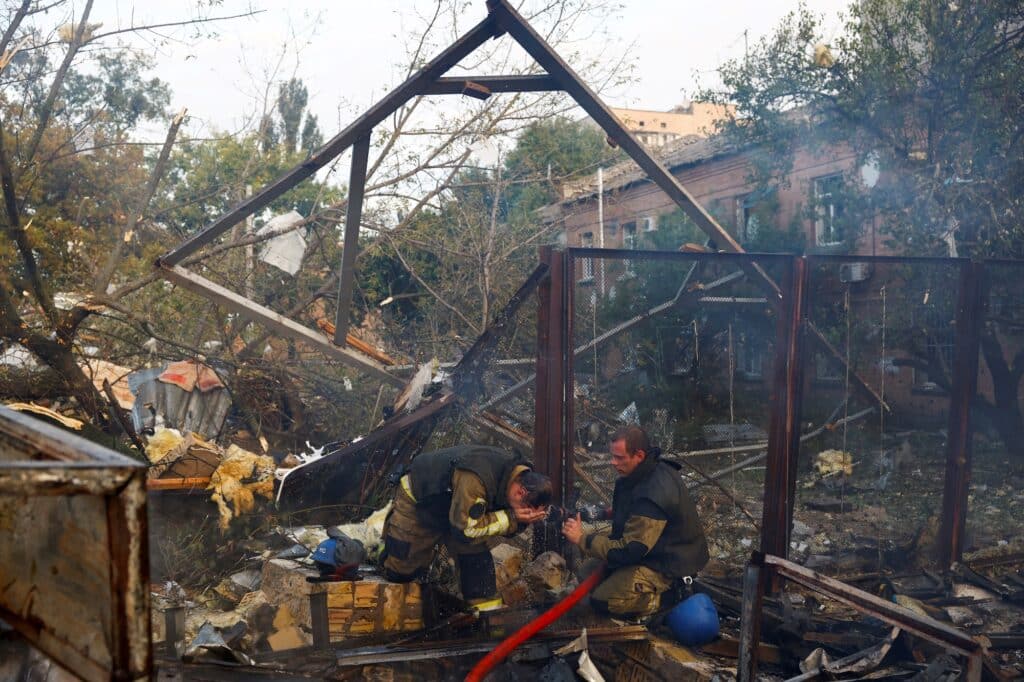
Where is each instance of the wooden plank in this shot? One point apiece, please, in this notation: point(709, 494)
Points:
point(128, 546)
point(56, 570)
point(35, 439)
point(277, 322)
point(50, 479)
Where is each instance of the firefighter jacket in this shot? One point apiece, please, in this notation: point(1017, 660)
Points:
point(654, 523)
point(466, 488)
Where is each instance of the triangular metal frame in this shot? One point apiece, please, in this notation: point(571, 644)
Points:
point(501, 18)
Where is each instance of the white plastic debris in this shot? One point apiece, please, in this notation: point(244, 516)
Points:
point(281, 473)
point(284, 251)
point(630, 415)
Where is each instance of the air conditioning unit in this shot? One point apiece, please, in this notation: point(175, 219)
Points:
point(854, 272)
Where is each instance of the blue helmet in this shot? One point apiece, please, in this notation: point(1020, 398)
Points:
point(324, 554)
point(694, 621)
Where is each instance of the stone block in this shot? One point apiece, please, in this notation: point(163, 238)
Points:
point(548, 571)
point(508, 563)
point(516, 592)
point(285, 588)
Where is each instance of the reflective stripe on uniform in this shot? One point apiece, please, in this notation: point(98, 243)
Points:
point(499, 526)
point(488, 604)
point(406, 484)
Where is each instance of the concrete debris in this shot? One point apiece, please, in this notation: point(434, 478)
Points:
point(548, 576)
point(508, 564)
point(285, 587)
point(236, 586)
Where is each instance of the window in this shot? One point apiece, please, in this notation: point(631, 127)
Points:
point(680, 349)
point(750, 359)
point(933, 323)
point(650, 223)
point(629, 236)
point(748, 222)
point(826, 369)
point(587, 242)
point(828, 203)
point(629, 242)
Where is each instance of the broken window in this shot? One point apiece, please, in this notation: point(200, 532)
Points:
point(587, 242)
point(629, 241)
point(938, 338)
point(828, 229)
point(826, 370)
point(750, 359)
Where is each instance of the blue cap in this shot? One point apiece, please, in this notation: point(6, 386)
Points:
point(694, 621)
point(324, 553)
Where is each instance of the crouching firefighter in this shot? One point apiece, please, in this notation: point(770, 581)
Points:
point(462, 497)
point(656, 543)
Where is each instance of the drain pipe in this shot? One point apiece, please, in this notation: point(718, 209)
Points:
point(524, 633)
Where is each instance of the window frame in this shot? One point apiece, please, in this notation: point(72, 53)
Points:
point(826, 200)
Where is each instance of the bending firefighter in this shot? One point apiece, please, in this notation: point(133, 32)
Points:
point(656, 543)
point(461, 496)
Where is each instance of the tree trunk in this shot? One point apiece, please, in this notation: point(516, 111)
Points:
point(1004, 414)
point(60, 358)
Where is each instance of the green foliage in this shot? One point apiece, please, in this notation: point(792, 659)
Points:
point(549, 153)
point(116, 92)
point(931, 92)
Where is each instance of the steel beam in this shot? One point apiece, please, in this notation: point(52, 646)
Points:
point(493, 84)
point(353, 218)
point(567, 451)
point(890, 612)
point(550, 404)
point(750, 619)
point(279, 323)
point(414, 85)
point(784, 425)
point(509, 20)
point(969, 318)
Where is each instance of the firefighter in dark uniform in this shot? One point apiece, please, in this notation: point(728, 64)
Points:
point(461, 496)
point(656, 540)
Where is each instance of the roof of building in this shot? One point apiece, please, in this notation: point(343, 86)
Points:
point(676, 154)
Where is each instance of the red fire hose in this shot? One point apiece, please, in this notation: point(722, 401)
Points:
point(534, 626)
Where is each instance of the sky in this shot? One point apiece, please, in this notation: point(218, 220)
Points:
point(349, 52)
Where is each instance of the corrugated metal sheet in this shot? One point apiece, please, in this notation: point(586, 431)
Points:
point(162, 404)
